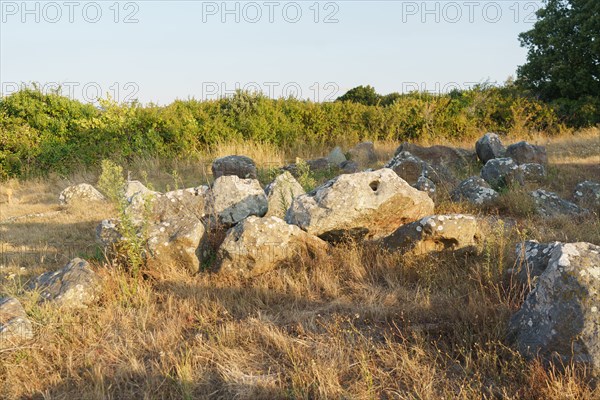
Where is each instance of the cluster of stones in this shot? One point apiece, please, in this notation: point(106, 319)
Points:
point(520, 164)
point(392, 207)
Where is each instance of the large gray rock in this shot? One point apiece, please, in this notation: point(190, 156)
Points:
point(74, 286)
point(171, 225)
point(500, 172)
point(549, 204)
point(336, 156)
point(474, 190)
point(560, 319)
point(241, 166)
point(83, 192)
point(532, 260)
point(363, 154)
point(175, 227)
point(280, 194)
point(232, 199)
point(587, 193)
point(489, 147)
point(15, 327)
point(258, 245)
point(371, 204)
point(524, 153)
point(436, 233)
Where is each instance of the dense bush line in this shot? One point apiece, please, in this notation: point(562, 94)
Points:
point(46, 132)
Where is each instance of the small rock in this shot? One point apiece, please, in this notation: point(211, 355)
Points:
point(280, 194)
point(425, 185)
point(587, 193)
point(133, 188)
point(474, 190)
point(532, 173)
point(258, 245)
point(363, 154)
point(550, 204)
point(524, 153)
point(489, 147)
point(79, 193)
point(15, 327)
point(349, 167)
point(107, 232)
point(241, 166)
point(440, 155)
point(232, 199)
point(316, 165)
point(336, 157)
point(560, 318)
point(73, 286)
point(436, 233)
point(371, 204)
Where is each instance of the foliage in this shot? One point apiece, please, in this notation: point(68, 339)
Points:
point(132, 247)
point(305, 176)
point(46, 132)
point(363, 95)
point(563, 59)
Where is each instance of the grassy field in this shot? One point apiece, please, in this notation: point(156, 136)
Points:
point(355, 323)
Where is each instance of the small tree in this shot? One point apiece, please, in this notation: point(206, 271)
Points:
point(361, 94)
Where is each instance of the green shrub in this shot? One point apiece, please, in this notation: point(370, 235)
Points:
point(46, 132)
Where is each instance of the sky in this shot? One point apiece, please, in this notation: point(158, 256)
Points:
point(159, 51)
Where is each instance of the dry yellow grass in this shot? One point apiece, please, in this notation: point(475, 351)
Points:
point(355, 323)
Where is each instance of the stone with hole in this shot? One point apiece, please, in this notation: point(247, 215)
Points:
point(365, 204)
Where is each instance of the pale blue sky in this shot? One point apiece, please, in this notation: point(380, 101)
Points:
point(181, 49)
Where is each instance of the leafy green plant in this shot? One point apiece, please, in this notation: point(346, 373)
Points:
point(134, 233)
point(305, 176)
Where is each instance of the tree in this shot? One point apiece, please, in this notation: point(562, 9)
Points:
point(563, 59)
point(361, 94)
